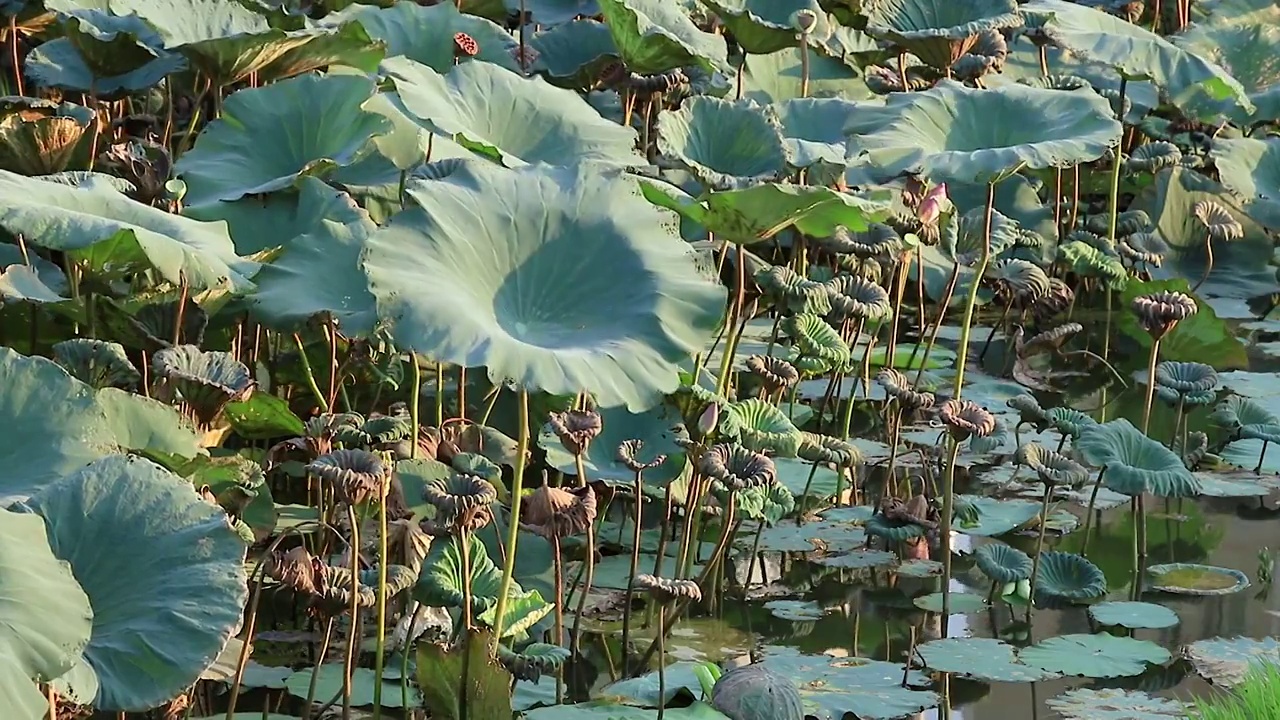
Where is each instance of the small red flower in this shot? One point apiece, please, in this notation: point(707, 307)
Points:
point(465, 46)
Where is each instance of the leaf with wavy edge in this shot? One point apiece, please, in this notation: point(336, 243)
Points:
point(654, 36)
point(727, 144)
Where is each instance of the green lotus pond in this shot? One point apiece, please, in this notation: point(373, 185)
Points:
point(638, 359)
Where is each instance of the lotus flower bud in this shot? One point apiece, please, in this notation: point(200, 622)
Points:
point(804, 20)
point(709, 419)
point(933, 204)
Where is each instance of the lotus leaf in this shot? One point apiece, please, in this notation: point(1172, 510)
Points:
point(795, 610)
point(958, 603)
point(654, 36)
point(613, 572)
point(659, 428)
point(168, 596)
point(97, 224)
point(425, 34)
point(96, 363)
point(1212, 485)
point(1191, 579)
point(807, 537)
point(765, 26)
point(765, 428)
point(329, 683)
point(611, 711)
point(996, 517)
point(1135, 53)
point(861, 559)
point(143, 425)
point(500, 115)
point(1069, 576)
point(1247, 51)
point(726, 144)
point(581, 284)
point(979, 658)
point(46, 616)
point(1135, 463)
point(205, 382)
point(952, 133)
point(643, 691)
point(1133, 615)
point(574, 54)
point(1226, 661)
point(1003, 563)
point(440, 584)
point(1094, 656)
point(1115, 704)
point(938, 34)
point(865, 688)
point(38, 137)
point(1247, 419)
point(776, 77)
point(815, 338)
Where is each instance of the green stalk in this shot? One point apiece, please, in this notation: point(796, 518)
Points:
point(962, 352)
point(631, 578)
point(439, 394)
point(1035, 562)
point(735, 315)
point(1088, 518)
point(353, 639)
point(1114, 200)
point(948, 500)
point(415, 413)
point(382, 595)
point(513, 523)
point(310, 375)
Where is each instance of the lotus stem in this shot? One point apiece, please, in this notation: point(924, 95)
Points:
point(315, 670)
point(998, 326)
point(644, 130)
point(900, 290)
point(755, 555)
point(948, 503)
point(462, 392)
point(735, 312)
point(1088, 516)
point(415, 410)
point(1208, 268)
point(513, 523)
point(665, 531)
point(1261, 456)
point(382, 594)
point(962, 352)
point(902, 71)
point(1035, 561)
point(575, 639)
point(804, 495)
point(662, 660)
point(894, 434)
point(1118, 164)
point(1044, 61)
point(582, 472)
point(310, 374)
point(439, 395)
point(558, 564)
point(17, 70)
point(1151, 384)
point(353, 638)
point(631, 578)
point(522, 21)
point(949, 291)
point(804, 65)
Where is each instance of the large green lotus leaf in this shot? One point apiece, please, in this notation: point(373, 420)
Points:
point(97, 224)
point(270, 136)
point(610, 711)
point(1193, 579)
point(554, 12)
point(937, 33)
point(765, 26)
point(1133, 615)
point(1095, 656)
point(680, 679)
point(813, 129)
point(53, 424)
point(463, 680)
point(660, 429)
point(441, 582)
point(148, 426)
point(263, 222)
point(654, 36)
point(726, 144)
point(1135, 52)
point(777, 76)
point(1239, 266)
point(1135, 463)
point(1226, 661)
point(563, 279)
point(319, 272)
point(1250, 168)
point(1069, 576)
point(425, 34)
point(758, 213)
point(1023, 65)
point(58, 64)
point(503, 116)
point(45, 615)
point(574, 54)
point(1248, 52)
point(832, 687)
point(979, 658)
point(347, 45)
point(952, 133)
point(997, 517)
point(1115, 704)
point(163, 570)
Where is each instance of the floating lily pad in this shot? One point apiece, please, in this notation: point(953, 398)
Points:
point(980, 659)
point(1115, 704)
point(1213, 486)
point(919, 568)
point(1192, 579)
point(811, 536)
point(681, 680)
point(960, 602)
point(1133, 615)
point(329, 684)
point(795, 610)
point(1095, 656)
point(861, 559)
point(996, 517)
point(835, 687)
point(1226, 661)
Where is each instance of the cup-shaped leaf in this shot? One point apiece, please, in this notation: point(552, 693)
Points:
point(96, 363)
point(1135, 463)
point(39, 137)
point(938, 33)
point(952, 133)
point(726, 144)
point(563, 279)
point(205, 381)
point(164, 572)
point(1003, 563)
point(654, 36)
point(765, 428)
point(1247, 419)
point(1069, 576)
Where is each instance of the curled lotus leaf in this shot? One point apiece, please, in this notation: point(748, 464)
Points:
point(665, 590)
point(461, 501)
point(385, 429)
point(882, 80)
point(755, 691)
point(205, 381)
point(1051, 339)
point(660, 430)
point(1094, 656)
point(1003, 563)
point(938, 34)
point(1127, 223)
point(893, 530)
point(1057, 82)
point(1217, 220)
point(1135, 463)
point(1054, 468)
point(1173, 397)
point(1028, 409)
point(557, 513)
point(572, 283)
point(167, 596)
point(1153, 157)
point(1057, 300)
point(724, 143)
point(323, 431)
point(1194, 450)
point(964, 237)
point(1226, 661)
point(1018, 278)
point(533, 660)
point(762, 26)
point(855, 297)
point(39, 137)
point(1144, 247)
point(654, 36)
point(764, 428)
point(1098, 240)
point(576, 428)
point(899, 388)
point(775, 374)
point(1193, 579)
point(815, 338)
point(1068, 421)
point(1186, 377)
point(794, 292)
point(1246, 419)
point(987, 55)
point(966, 419)
point(1160, 312)
point(153, 325)
point(355, 475)
point(1086, 260)
point(629, 454)
point(737, 467)
point(1091, 704)
point(96, 363)
point(827, 449)
point(952, 133)
point(879, 241)
point(1133, 615)
point(1069, 576)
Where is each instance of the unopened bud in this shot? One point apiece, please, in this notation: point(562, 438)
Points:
point(710, 418)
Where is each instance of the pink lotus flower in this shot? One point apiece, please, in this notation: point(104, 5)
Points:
point(932, 205)
point(710, 418)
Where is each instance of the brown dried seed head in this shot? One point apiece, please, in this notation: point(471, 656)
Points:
point(966, 418)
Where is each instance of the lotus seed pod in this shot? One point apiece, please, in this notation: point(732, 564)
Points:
point(804, 20)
